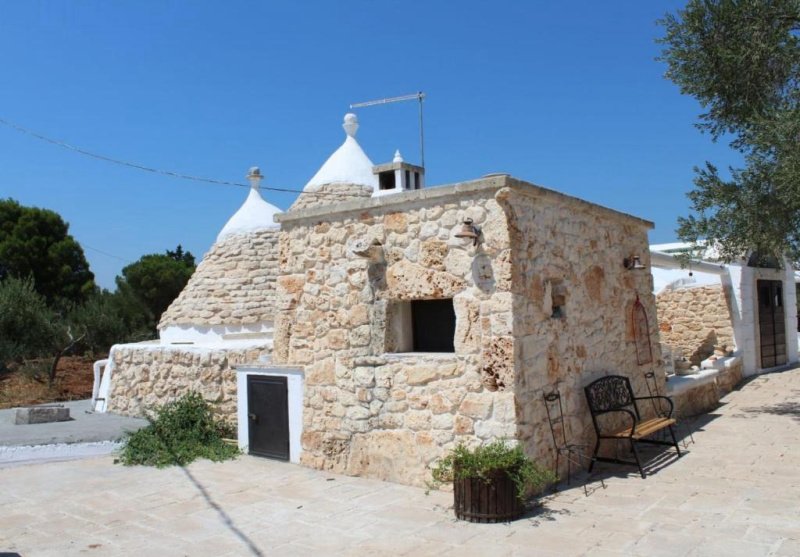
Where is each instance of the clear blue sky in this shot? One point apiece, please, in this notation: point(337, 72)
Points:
point(567, 95)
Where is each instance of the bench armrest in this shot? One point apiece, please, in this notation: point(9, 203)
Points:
point(624, 410)
point(671, 404)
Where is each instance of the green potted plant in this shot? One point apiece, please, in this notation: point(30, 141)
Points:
point(490, 482)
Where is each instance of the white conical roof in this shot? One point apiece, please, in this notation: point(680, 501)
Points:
point(254, 214)
point(348, 164)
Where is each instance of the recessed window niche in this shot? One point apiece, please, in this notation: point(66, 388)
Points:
point(421, 326)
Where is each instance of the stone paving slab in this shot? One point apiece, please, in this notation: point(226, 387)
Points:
point(735, 492)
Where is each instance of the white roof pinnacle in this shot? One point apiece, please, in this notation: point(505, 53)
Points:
point(254, 214)
point(350, 124)
point(348, 164)
point(397, 156)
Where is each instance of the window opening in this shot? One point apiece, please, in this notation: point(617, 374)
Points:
point(421, 326)
point(386, 180)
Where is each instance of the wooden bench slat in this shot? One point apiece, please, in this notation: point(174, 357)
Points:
point(645, 428)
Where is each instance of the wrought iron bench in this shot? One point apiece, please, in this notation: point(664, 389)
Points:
point(613, 394)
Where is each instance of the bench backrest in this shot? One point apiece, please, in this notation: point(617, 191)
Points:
point(611, 392)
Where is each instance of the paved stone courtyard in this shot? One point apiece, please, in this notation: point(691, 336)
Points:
point(735, 492)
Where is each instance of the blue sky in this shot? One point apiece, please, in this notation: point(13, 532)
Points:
point(567, 95)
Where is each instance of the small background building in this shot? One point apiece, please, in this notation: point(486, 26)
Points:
point(727, 321)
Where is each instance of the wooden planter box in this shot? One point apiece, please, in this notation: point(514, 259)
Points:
point(479, 500)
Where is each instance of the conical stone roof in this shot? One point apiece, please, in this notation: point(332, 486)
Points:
point(234, 284)
point(347, 173)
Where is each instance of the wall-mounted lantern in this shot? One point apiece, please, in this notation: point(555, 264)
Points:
point(633, 263)
point(469, 231)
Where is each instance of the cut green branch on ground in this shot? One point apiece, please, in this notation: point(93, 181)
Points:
point(179, 433)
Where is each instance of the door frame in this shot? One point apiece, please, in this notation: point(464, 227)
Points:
point(294, 384)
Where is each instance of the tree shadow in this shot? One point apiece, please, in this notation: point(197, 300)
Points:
point(788, 408)
point(537, 512)
point(224, 516)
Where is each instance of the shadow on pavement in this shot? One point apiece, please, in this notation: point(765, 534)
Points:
point(224, 517)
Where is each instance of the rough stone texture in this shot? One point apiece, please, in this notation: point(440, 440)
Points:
point(41, 415)
point(233, 285)
point(705, 397)
point(390, 416)
point(330, 194)
point(730, 377)
point(568, 255)
point(148, 376)
point(695, 320)
point(696, 401)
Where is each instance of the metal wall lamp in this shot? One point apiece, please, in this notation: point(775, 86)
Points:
point(469, 231)
point(633, 263)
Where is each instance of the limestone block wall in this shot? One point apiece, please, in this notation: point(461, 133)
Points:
point(572, 305)
point(145, 376)
point(696, 320)
point(233, 285)
point(369, 411)
point(329, 194)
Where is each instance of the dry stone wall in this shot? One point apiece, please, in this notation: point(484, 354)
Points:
point(696, 320)
point(148, 376)
point(233, 285)
point(572, 304)
point(371, 412)
point(328, 194)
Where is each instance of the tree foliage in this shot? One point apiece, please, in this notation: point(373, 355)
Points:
point(26, 323)
point(741, 60)
point(157, 279)
point(36, 243)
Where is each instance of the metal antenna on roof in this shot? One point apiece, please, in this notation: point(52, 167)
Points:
point(419, 96)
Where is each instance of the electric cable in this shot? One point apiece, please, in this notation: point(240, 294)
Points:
point(142, 167)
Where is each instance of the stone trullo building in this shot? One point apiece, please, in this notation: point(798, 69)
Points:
point(385, 322)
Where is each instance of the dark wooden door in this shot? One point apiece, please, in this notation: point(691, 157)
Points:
point(771, 323)
point(268, 414)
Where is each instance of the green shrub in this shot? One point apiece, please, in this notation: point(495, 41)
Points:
point(179, 433)
point(486, 461)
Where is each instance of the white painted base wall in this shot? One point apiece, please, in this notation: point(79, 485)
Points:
point(212, 334)
point(294, 382)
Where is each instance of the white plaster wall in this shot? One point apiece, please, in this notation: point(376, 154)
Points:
point(294, 382)
point(746, 295)
point(679, 278)
point(790, 312)
point(213, 334)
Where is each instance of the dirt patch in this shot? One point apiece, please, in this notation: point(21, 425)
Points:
point(28, 385)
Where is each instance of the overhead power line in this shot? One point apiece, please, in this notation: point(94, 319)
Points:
point(138, 166)
point(104, 253)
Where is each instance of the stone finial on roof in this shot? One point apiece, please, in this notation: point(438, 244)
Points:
point(254, 176)
point(350, 124)
point(347, 165)
point(254, 214)
point(397, 157)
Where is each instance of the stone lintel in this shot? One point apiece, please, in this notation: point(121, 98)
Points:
point(378, 168)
